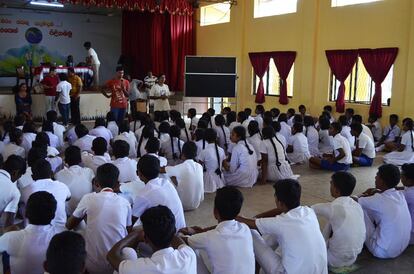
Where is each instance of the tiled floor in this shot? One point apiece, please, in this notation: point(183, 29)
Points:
point(315, 189)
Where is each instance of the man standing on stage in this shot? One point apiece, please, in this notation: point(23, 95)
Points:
point(149, 82)
point(77, 85)
point(93, 57)
point(159, 93)
point(50, 83)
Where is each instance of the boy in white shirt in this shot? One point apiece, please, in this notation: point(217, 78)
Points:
point(387, 218)
point(14, 147)
point(188, 178)
point(77, 178)
point(152, 147)
point(128, 136)
point(295, 231)
point(108, 219)
point(99, 156)
point(84, 141)
point(390, 135)
point(171, 255)
point(127, 167)
point(285, 129)
point(407, 179)
point(229, 245)
point(101, 131)
point(111, 124)
point(48, 128)
point(58, 129)
point(375, 126)
point(63, 89)
point(27, 247)
point(298, 148)
point(344, 232)
point(364, 152)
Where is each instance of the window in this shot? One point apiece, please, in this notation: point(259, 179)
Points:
point(263, 8)
point(271, 81)
point(215, 14)
point(341, 3)
point(359, 87)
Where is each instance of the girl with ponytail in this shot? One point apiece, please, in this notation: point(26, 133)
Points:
point(185, 134)
point(242, 169)
point(255, 137)
point(312, 135)
point(405, 151)
point(274, 164)
point(223, 133)
point(298, 148)
point(172, 149)
point(147, 133)
point(199, 140)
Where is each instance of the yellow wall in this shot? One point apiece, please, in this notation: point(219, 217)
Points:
point(315, 28)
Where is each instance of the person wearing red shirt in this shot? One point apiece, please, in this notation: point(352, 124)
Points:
point(49, 85)
point(118, 88)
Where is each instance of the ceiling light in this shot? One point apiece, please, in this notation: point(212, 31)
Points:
point(47, 3)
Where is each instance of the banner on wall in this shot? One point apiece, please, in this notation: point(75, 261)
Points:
point(30, 38)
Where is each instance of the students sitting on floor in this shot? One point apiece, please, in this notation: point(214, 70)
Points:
point(344, 231)
point(35, 154)
point(191, 114)
point(84, 141)
point(312, 135)
point(111, 124)
point(223, 133)
point(47, 127)
point(14, 147)
point(128, 136)
point(127, 167)
point(405, 150)
point(325, 141)
point(66, 254)
point(107, 216)
point(229, 245)
point(42, 141)
point(357, 119)
point(390, 135)
point(188, 178)
point(99, 156)
point(185, 133)
point(101, 131)
point(364, 151)
point(172, 149)
point(298, 148)
point(255, 138)
point(170, 253)
point(152, 147)
point(147, 132)
point(292, 229)
point(346, 130)
point(58, 129)
point(27, 247)
point(407, 179)
point(387, 218)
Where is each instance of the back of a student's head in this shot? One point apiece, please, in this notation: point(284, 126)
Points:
point(16, 136)
point(41, 208)
point(41, 140)
point(15, 166)
point(19, 120)
point(288, 192)
point(357, 119)
point(336, 126)
point(47, 126)
point(282, 117)
point(175, 131)
point(327, 108)
point(124, 126)
point(110, 117)
point(52, 116)
point(120, 149)
point(248, 111)
point(189, 150)
point(81, 130)
point(41, 170)
point(228, 203)
point(344, 182)
point(343, 120)
point(36, 153)
point(100, 122)
point(164, 127)
point(153, 145)
point(298, 127)
point(253, 128)
point(29, 127)
point(66, 254)
point(389, 175)
point(73, 155)
point(159, 226)
point(99, 146)
point(107, 176)
point(324, 123)
point(308, 121)
point(211, 111)
point(407, 174)
point(149, 167)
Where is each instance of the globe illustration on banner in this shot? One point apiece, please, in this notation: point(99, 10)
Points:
point(33, 35)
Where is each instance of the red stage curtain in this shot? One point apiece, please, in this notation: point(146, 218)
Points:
point(284, 61)
point(378, 63)
point(260, 63)
point(341, 63)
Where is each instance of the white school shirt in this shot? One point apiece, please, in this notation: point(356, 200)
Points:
point(301, 244)
point(183, 136)
point(71, 136)
point(160, 191)
point(346, 220)
point(367, 145)
point(113, 127)
point(13, 149)
point(325, 141)
point(282, 139)
point(313, 140)
point(233, 125)
point(168, 260)
point(340, 141)
point(259, 120)
point(166, 149)
point(391, 133)
point(103, 132)
point(367, 132)
point(407, 139)
point(131, 190)
point(229, 247)
point(134, 125)
point(130, 138)
point(163, 160)
point(94, 57)
point(208, 156)
point(108, 216)
point(201, 145)
point(390, 212)
point(376, 130)
point(193, 122)
point(300, 153)
point(58, 189)
point(409, 197)
point(59, 131)
point(53, 139)
point(85, 143)
point(26, 179)
point(273, 172)
point(290, 121)
point(190, 184)
point(245, 124)
point(79, 181)
point(346, 132)
point(256, 141)
point(157, 91)
point(64, 88)
point(285, 130)
point(9, 194)
point(28, 138)
point(27, 247)
point(94, 161)
point(127, 169)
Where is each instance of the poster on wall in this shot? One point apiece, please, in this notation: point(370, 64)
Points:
point(32, 38)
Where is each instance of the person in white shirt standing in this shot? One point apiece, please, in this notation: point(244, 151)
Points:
point(94, 60)
point(171, 255)
point(229, 245)
point(293, 229)
point(386, 214)
point(344, 232)
point(160, 93)
point(63, 98)
point(364, 152)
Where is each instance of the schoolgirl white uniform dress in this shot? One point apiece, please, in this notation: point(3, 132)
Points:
point(275, 172)
point(167, 151)
point(402, 157)
point(212, 181)
point(300, 152)
point(223, 137)
point(313, 140)
point(325, 142)
point(256, 142)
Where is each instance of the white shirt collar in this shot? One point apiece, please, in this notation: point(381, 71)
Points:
point(163, 252)
point(5, 174)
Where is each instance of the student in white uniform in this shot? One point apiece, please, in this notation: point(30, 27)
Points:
point(185, 133)
point(27, 247)
point(312, 135)
point(242, 118)
point(390, 136)
point(164, 132)
point(223, 133)
point(47, 127)
point(107, 216)
point(35, 154)
point(58, 129)
point(29, 135)
point(349, 113)
point(293, 229)
point(42, 174)
point(255, 138)
point(191, 114)
point(212, 158)
point(325, 141)
point(229, 245)
point(188, 178)
point(242, 169)
point(285, 129)
point(290, 116)
point(364, 152)
point(200, 140)
point(160, 93)
point(152, 147)
point(275, 165)
point(66, 251)
point(101, 131)
point(172, 149)
point(387, 218)
point(42, 142)
point(127, 166)
point(357, 119)
point(12, 169)
point(231, 121)
point(346, 131)
point(259, 115)
point(14, 147)
point(171, 255)
point(128, 136)
point(84, 141)
point(77, 178)
point(405, 151)
point(92, 56)
point(375, 126)
point(111, 124)
point(147, 132)
point(407, 179)
point(344, 231)
point(298, 148)
point(99, 156)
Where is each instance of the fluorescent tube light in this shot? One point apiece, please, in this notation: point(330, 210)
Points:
point(46, 3)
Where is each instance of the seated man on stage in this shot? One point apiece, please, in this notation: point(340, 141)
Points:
point(159, 93)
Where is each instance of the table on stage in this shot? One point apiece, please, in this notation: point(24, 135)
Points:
point(82, 71)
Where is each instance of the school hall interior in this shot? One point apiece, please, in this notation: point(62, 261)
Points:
point(216, 58)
